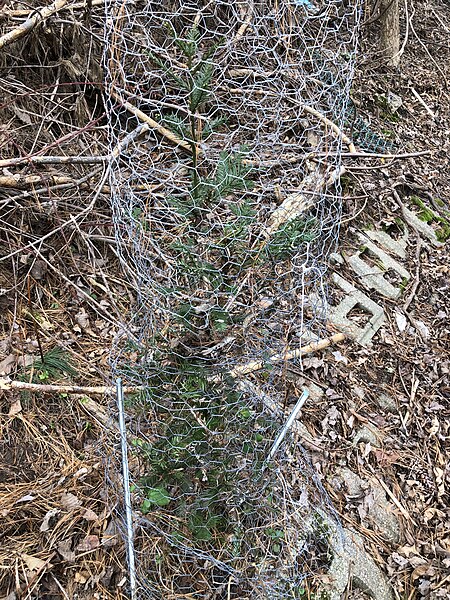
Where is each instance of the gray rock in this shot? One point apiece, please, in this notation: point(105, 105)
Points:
point(387, 403)
point(380, 513)
point(368, 434)
point(352, 565)
point(336, 259)
point(393, 101)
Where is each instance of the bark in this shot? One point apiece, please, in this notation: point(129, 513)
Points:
point(390, 31)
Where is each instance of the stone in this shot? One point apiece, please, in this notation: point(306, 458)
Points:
point(368, 434)
point(423, 228)
point(372, 276)
point(380, 513)
point(393, 101)
point(352, 567)
point(384, 240)
point(338, 314)
point(387, 403)
point(336, 259)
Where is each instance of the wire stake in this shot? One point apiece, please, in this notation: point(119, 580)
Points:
point(126, 489)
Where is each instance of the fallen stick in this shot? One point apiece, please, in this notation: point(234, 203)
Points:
point(257, 365)
point(39, 14)
point(331, 125)
point(298, 203)
point(50, 160)
point(9, 384)
point(7, 14)
point(423, 103)
point(141, 116)
point(73, 160)
point(19, 181)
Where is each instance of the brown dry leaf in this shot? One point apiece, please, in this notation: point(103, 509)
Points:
point(5, 345)
point(82, 319)
point(65, 550)
point(110, 536)
point(70, 501)
point(7, 364)
point(21, 114)
point(407, 550)
point(418, 562)
point(15, 408)
point(432, 512)
point(81, 577)
point(33, 563)
point(90, 542)
point(39, 269)
point(89, 515)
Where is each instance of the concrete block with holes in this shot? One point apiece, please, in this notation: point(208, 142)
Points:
point(355, 298)
point(421, 227)
point(373, 276)
point(386, 242)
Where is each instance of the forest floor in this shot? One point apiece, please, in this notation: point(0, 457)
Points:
point(63, 287)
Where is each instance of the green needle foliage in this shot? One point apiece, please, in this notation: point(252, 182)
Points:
point(286, 240)
point(56, 363)
point(188, 472)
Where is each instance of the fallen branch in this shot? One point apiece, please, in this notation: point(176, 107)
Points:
point(50, 160)
point(39, 14)
point(20, 181)
point(8, 384)
point(331, 125)
point(73, 160)
point(423, 103)
point(151, 122)
point(298, 203)
point(7, 14)
point(257, 365)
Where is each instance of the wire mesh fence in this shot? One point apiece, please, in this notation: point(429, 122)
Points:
point(226, 204)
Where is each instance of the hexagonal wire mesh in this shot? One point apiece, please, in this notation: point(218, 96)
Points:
point(226, 205)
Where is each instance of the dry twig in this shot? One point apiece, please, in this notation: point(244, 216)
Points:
point(152, 123)
point(257, 365)
point(36, 16)
point(8, 384)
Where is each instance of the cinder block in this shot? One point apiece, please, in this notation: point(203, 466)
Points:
point(339, 318)
point(423, 228)
point(384, 240)
point(372, 276)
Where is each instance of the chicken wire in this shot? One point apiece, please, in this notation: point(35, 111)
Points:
point(226, 204)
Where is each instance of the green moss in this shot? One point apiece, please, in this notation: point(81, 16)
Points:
point(443, 233)
point(403, 284)
point(427, 215)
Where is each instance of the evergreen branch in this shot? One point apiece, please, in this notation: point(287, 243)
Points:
point(200, 85)
point(168, 70)
point(178, 125)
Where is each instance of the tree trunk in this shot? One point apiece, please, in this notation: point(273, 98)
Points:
point(390, 31)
